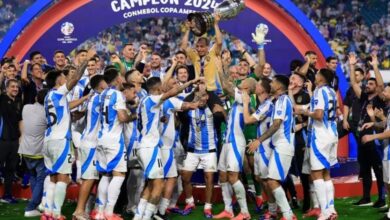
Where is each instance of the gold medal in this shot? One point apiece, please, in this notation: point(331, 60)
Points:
point(198, 129)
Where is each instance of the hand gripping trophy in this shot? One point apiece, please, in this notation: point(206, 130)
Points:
point(201, 22)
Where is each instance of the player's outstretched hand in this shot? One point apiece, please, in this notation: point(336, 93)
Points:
point(259, 35)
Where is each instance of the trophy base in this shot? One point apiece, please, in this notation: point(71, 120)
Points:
point(201, 22)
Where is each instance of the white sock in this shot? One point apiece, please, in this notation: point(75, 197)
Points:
point(207, 206)
point(241, 196)
point(190, 201)
point(313, 197)
point(102, 193)
point(281, 200)
point(319, 186)
point(227, 196)
point(164, 203)
point(59, 197)
point(45, 184)
point(49, 197)
point(114, 188)
point(149, 211)
point(330, 195)
point(273, 208)
point(141, 208)
point(388, 213)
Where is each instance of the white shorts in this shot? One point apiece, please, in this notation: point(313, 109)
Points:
point(231, 158)
point(386, 171)
point(169, 163)
point(205, 161)
point(132, 160)
point(279, 165)
point(151, 162)
point(323, 153)
point(261, 164)
point(87, 157)
point(306, 162)
point(111, 158)
point(58, 156)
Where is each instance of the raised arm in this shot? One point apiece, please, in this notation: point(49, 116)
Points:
point(169, 73)
point(24, 76)
point(355, 86)
point(244, 53)
point(218, 34)
point(378, 76)
point(186, 37)
point(76, 75)
point(305, 68)
point(260, 66)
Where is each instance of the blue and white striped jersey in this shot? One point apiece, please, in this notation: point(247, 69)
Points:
point(89, 137)
point(324, 98)
point(111, 129)
point(235, 126)
point(169, 133)
point(263, 114)
point(57, 114)
point(202, 135)
point(283, 138)
point(150, 113)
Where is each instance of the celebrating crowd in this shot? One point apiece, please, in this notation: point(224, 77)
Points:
point(345, 28)
point(137, 130)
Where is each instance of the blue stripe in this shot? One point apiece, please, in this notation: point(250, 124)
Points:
point(87, 162)
point(237, 154)
point(169, 163)
point(289, 122)
point(56, 98)
point(61, 159)
point(264, 157)
point(151, 162)
point(132, 139)
point(148, 105)
point(114, 162)
point(204, 131)
point(94, 113)
point(102, 98)
point(326, 108)
point(112, 113)
point(279, 166)
point(318, 154)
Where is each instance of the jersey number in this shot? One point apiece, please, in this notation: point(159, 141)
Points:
point(51, 116)
point(159, 163)
point(105, 113)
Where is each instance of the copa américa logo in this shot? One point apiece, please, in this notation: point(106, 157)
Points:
point(67, 28)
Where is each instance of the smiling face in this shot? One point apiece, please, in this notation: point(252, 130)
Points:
point(12, 89)
point(59, 59)
point(201, 47)
point(155, 61)
point(128, 52)
point(36, 71)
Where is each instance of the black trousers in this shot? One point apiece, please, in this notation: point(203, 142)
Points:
point(369, 157)
point(9, 157)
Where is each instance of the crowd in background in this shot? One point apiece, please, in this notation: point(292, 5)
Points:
point(345, 27)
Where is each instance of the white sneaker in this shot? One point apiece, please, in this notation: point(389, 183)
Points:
point(32, 213)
